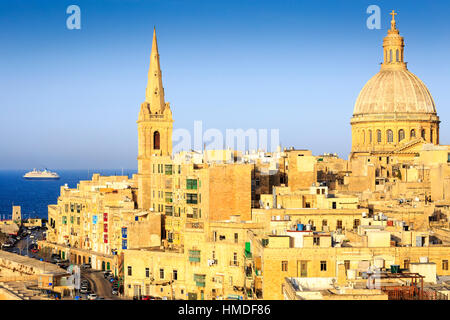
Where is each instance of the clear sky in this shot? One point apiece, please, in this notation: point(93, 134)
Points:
point(70, 98)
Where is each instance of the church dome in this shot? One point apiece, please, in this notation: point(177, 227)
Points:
point(394, 108)
point(394, 91)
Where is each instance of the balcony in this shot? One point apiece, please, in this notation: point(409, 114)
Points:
point(194, 255)
point(200, 280)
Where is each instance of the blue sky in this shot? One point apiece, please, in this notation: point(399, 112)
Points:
point(70, 98)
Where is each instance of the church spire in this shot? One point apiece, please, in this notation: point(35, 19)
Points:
point(393, 47)
point(154, 94)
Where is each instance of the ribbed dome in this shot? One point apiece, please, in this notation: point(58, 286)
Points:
point(394, 91)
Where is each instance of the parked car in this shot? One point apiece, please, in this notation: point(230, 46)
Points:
point(83, 289)
point(86, 266)
point(106, 274)
point(92, 296)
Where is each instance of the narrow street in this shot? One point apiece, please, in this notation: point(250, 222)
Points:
point(99, 284)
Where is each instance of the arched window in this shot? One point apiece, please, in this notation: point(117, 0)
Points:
point(379, 136)
point(370, 136)
point(423, 134)
point(413, 133)
point(390, 136)
point(390, 54)
point(431, 135)
point(401, 135)
point(397, 56)
point(156, 140)
point(363, 137)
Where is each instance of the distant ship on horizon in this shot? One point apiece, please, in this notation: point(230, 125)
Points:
point(37, 174)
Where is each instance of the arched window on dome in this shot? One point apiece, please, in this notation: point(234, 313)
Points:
point(401, 135)
point(379, 136)
point(422, 134)
point(390, 136)
point(390, 55)
point(156, 140)
point(370, 136)
point(412, 134)
point(397, 56)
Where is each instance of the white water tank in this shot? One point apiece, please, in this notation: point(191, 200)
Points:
point(351, 274)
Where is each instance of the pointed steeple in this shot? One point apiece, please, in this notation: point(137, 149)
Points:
point(154, 94)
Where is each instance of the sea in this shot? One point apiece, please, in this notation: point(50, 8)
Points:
point(35, 195)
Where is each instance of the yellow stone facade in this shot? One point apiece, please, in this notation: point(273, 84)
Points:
point(224, 225)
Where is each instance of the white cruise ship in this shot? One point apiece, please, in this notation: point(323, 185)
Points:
point(36, 174)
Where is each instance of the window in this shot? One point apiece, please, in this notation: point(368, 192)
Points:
point(397, 57)
point(431, 135)
point(129, 270)
point(347, 264)
point(169, 210)
point(316, 241)
point(324, 223)
point(236, 238)
point(284, 266)
point(161, 273)
point(147, 272)
point(323, 266)
point(235, 262)
point(191, 184)
point(422, 134)
point(379, 136)
point(444, 264)
point(363, 137)
point(412, 134)
point(191, 198)
point(356, 223)
point(168, 197)
point(370, 136)
point(175, 275)
point(168, 169)
point(339, 224)
point(401, 135)
point(156, 141)
point(390, 136)
point(334, 205)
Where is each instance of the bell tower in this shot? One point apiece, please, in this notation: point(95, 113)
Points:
point(154, 129)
